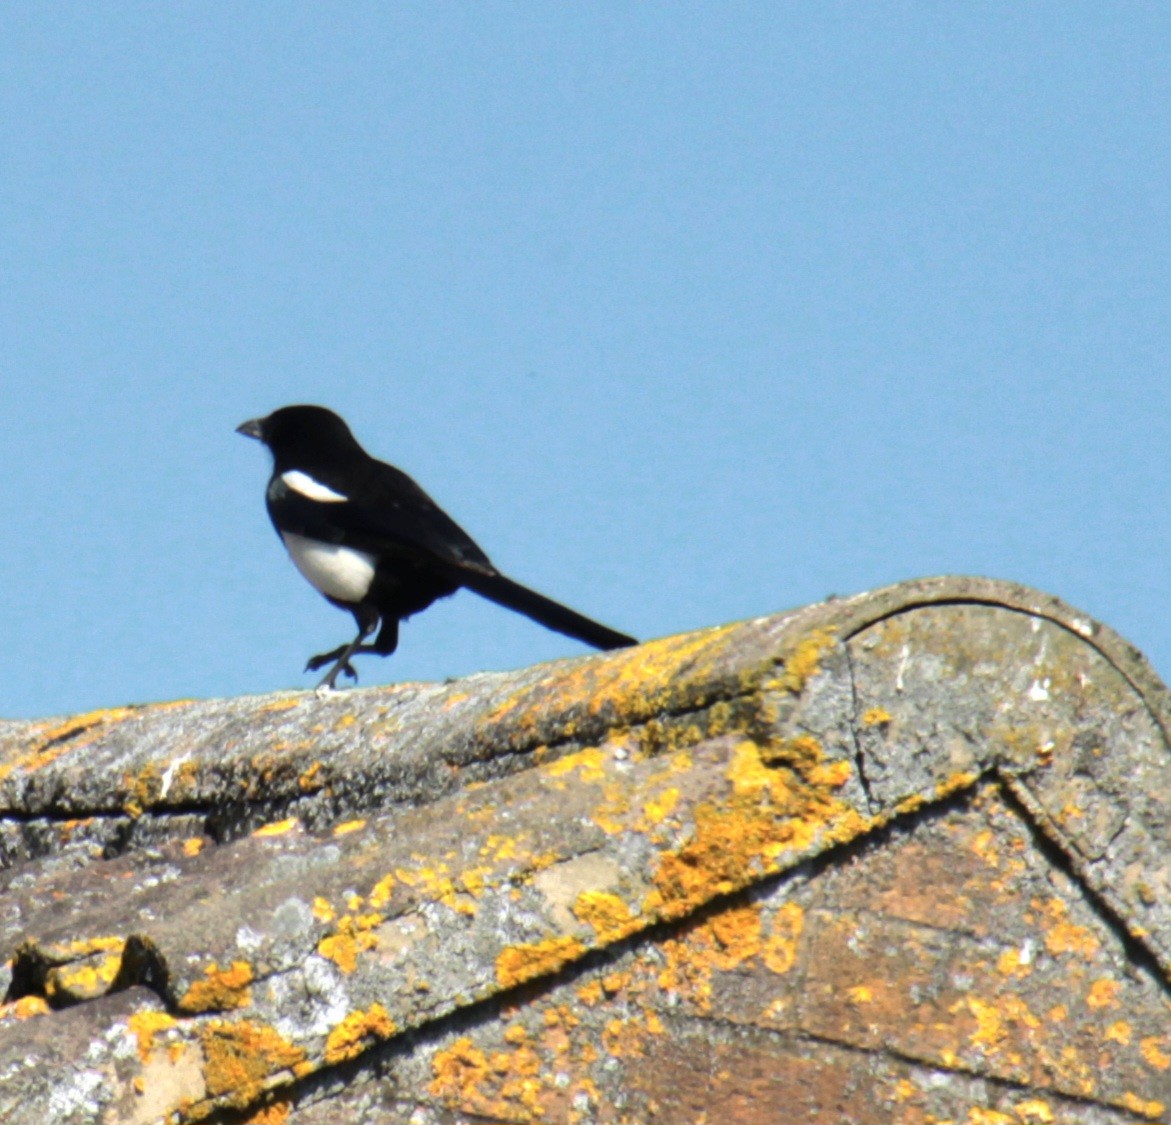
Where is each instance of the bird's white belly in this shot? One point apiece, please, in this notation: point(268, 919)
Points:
point(337, 571)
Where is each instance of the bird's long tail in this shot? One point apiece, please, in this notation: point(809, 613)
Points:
point(553, 615)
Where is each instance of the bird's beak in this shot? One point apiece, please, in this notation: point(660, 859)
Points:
point(253, 428)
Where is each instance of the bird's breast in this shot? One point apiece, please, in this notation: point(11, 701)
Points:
point(334, 570)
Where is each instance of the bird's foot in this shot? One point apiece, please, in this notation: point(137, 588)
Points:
point(314, 663)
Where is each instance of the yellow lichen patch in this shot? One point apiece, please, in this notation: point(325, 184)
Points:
point(780, 947)
point(1034, 1112)
point(193, 845)
point(519, 963)
point(993, 1019)
point(956, 783)
point(499, 848)
point(65, 737)
point(590, 993)
point(860, 994)
point(1104, 993)
point(310, 781)
point(803, 753)
point(502, 1086)
point(589, 763)
point(984, 846)
point(632, 683)
point(240, 1059)
point(1119, 1032)
point(222, 990)
point(26, 1008)
point(1141, 1106)
point(804, 662)
point(145, 1026)
point(659, 807)
point(353, 936)
point(83, 980)
point(978, 1115)
point(609, 916)
point(1062, 936)
point(279, 705)
point(274, 1113)
point(348, 826)
point(516, 1034)
point(322, 910)
point(876, 717)
point(381, 892)
point(458, 1071)
point(278, 827)
point(436, 882)
point(1010, 964)
point(356, 1032)
point(1154, 1052)
point(770, 812)
point(723, 941)
point(143, 790)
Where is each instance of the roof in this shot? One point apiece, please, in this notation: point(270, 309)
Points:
point(896, 857)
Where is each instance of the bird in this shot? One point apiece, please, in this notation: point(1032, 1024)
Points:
point(372, 542)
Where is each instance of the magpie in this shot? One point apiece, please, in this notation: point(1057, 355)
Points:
point(371, 541)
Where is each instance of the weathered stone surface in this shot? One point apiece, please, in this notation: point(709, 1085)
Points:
point(898, 857)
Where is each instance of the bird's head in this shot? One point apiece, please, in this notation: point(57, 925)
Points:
point(301, 433)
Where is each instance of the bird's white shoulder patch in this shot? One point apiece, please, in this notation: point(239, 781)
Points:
point(310, 488)
point(337, 571)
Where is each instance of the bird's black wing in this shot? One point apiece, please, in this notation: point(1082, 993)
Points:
point(385, 512)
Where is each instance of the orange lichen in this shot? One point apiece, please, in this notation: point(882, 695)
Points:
point(1034, 1110)
point(1154, 1051)
point(519, 963)
point(724, 941)
point(222, 990)
point(26, 1007)
point(609, 916)
point(1009, 964)
point(458, 1071)
point(381, 892)
point(278, 827)
point(74, 733)
point(1141, 1106)
point(1119, 1032)
point(804, 662)
point(240, 1058)
point(876, 717)
point(353, 936)
point(770, 812)
point(356, 1032)
point(636, 682)
point(589, 764)
point(193, 845)
point(992, 1018)
point(780, 948)
point(84, 980)
point(275, 1113)
point(348, 826)
point(322, 910)
point(659, 807)
point(145, 1026)
point(956, 783)
point(1062, 936)
point(503, 1085)
point(1104, 993)
point(310, 780)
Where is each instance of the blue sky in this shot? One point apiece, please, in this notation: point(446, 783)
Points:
point(688, 313)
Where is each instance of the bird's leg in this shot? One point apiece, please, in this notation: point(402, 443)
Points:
point(367, 623)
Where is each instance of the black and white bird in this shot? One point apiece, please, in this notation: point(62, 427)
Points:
point(371, 541)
